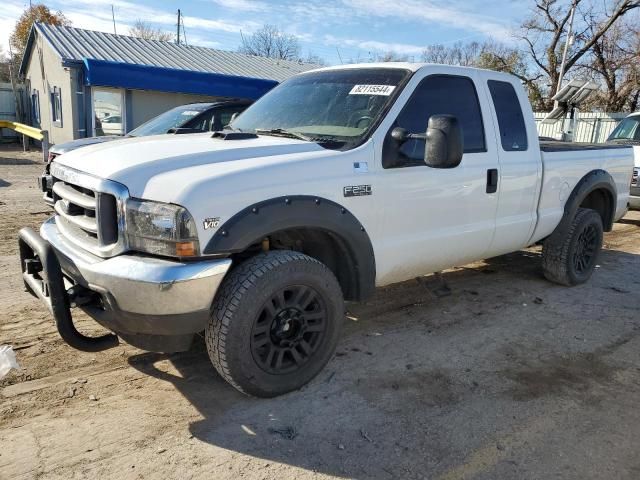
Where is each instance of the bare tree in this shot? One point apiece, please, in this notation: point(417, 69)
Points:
point(615, 64)
point(544, 34)
point(315, 59)
point(491, 55)
point(145, 31)
point(270, 42)
point(389, 56)
point(465, 54)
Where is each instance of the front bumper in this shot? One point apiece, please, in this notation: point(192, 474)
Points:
point(151, 303)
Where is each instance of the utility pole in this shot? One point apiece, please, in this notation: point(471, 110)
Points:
point(566, 47)
point(178, 35)
point(113, 16)
point(569, 134)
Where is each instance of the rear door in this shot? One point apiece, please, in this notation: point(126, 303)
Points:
point(436, 218)
point(520, 167)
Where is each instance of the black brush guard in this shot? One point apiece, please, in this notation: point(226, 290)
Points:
point(43, 279)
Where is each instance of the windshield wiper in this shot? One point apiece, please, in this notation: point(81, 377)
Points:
point(281, 132)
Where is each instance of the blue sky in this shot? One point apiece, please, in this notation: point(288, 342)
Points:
point(332, 29)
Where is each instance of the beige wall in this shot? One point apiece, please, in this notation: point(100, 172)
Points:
point(147, 104)
point(44, 72)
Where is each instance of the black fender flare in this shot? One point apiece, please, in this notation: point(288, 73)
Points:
point(594, 180)
point(252, 224)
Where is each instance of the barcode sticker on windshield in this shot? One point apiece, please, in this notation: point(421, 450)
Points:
point(372, 90)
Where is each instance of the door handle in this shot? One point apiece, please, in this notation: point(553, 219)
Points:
point(492, 180)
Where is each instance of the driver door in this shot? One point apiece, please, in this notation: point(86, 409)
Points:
point(437, 218)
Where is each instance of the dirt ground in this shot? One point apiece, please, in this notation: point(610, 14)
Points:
point(489, 372)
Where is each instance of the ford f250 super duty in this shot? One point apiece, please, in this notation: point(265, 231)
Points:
point(337, 181)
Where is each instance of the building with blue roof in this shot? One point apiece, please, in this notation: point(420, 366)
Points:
point(78, 79)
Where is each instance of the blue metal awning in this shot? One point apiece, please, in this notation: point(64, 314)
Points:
point(143, 77)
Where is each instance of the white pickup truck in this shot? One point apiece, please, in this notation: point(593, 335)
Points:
point(338, 181)
point(628, 133)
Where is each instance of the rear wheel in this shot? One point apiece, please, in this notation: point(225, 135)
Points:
point(571, 258)
point(275, 323)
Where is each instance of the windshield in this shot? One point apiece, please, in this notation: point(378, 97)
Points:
point(328, 106)
point(174, 118)
point(627, 129)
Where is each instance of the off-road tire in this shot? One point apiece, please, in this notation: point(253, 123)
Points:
point(238, 307)
point(560, 249)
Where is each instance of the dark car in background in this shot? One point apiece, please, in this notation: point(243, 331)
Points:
point(190, 118)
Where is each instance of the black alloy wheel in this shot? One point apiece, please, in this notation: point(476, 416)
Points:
point(288, 329)
point(586, 249)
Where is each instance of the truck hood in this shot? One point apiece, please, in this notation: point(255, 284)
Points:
point(66, 147)
point(135, 161)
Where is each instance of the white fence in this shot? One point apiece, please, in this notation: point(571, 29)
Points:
point(591, 127)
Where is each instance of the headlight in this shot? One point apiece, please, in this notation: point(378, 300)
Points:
point(161, 229)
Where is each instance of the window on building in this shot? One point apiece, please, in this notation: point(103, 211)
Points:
point(108, 111)
point(56, 106)
point(35, 106)
point(436, 94)
point(513, 133)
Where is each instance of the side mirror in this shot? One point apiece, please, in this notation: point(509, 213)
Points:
point(444, 144)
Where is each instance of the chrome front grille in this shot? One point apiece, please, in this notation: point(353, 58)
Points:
point(89, 210)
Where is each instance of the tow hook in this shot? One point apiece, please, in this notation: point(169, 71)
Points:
point(79, 296)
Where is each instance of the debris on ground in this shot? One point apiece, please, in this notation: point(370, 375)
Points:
point(288, 433)
point(7, 360)
point(619, 290)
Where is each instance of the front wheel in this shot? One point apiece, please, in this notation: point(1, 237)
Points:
point(275, 323)
point(571, 258)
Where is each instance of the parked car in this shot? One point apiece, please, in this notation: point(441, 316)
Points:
point(336, 182)
point(628, 133)
point(190, 118)
point(112, 125)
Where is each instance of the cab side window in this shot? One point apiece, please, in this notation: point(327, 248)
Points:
point(513, 132)
point(436, 94)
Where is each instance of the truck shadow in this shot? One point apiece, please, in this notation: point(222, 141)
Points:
point(16, 161)
point(404, 386)
point(630, 221)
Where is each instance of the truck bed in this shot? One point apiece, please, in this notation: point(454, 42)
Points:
point(565, 163)
point(559, 146)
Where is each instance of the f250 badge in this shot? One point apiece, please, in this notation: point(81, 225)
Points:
point(356, 190)
point(211, 222)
